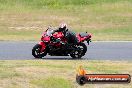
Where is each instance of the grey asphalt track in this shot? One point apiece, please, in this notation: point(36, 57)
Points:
point(10, 50)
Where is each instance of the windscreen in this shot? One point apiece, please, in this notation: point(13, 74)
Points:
point(49, 32)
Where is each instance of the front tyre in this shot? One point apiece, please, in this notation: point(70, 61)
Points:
point(36, 51)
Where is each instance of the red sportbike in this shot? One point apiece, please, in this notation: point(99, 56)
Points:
point(56, 45)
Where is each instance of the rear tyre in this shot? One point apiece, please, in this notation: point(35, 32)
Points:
point(36, 51)
point(83, 48)
point(80, 51)
point(76, 54)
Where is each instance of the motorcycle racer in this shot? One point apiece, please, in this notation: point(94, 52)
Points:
point(62, 43)
point(69, 35)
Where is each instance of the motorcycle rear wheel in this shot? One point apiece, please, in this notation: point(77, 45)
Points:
point(80, 51)
point(84, 48)
point(36, 51)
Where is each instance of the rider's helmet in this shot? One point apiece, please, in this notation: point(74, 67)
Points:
point(63, 26)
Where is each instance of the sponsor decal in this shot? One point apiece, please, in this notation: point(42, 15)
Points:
point(82, 78)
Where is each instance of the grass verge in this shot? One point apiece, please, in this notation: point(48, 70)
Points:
point(57, 74)
point(105, 19)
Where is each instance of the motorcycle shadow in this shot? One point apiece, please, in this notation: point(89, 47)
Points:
point(59, 58)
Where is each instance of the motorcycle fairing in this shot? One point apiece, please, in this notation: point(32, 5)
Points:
point(83, 36)
point(43, 45)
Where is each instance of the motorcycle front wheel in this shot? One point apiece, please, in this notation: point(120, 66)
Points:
point(36, 51)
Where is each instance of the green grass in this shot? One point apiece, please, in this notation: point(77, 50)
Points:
point(52, 74)
point(35, 4)
point(105, 19)
point(52, 82)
